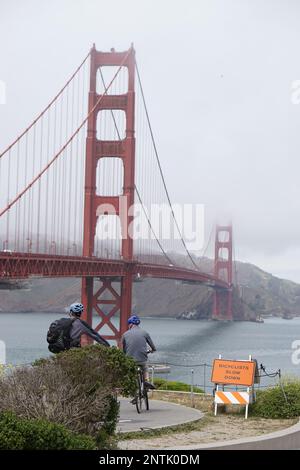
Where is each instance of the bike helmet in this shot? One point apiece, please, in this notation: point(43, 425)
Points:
point(76, 309)
point(134, 320)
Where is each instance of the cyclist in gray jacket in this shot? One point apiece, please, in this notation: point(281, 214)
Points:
point(80, 327)
point(136, 343)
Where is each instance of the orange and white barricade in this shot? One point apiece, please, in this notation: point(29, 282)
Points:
point(238, 373)
point(232, 398)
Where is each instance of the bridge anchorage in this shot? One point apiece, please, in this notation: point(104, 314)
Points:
point(51, 205)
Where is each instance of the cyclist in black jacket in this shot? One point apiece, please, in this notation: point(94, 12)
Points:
point(80, 327)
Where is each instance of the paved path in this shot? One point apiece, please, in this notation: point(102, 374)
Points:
point(161, 414)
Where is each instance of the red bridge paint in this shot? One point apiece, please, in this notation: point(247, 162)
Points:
point(96, 150)
point(222, 307)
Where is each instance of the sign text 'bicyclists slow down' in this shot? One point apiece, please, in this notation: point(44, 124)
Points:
point(233, 372)
point(238, 373)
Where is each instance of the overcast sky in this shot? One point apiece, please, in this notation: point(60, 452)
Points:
point(217, 75)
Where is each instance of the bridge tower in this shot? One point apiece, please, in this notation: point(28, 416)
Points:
point(94, 299)
point(222, 301)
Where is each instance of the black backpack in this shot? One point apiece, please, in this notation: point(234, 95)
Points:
point(58, 335)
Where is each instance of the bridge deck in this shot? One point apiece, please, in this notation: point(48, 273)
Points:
point(23, 265)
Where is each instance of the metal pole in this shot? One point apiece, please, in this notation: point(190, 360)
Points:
point(216, 404)
point(248, 390)
point(204, 378)
point(247, 406)
point(192, 388)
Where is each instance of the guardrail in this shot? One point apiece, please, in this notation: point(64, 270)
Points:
point(199, 376)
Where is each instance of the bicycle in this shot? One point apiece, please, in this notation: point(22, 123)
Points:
point(141, 398)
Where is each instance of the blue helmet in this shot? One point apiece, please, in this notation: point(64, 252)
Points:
point(134, 320)
point(76, 309)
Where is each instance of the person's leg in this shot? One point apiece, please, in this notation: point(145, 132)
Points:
point(143, 366)
point(145, 369)
point(146, 372)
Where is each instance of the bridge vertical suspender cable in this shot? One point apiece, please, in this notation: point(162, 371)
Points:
point(57, 155)
point(135, 186)
point(161, 172)
point(45, 109)
point(28, 227)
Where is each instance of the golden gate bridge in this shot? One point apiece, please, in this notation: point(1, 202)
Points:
point(74, 173)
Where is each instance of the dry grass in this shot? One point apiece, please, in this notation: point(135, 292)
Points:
point(47, 392)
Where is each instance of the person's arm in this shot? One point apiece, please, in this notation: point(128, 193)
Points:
point(150, 342)
point(101, 340)
point(124, 344)
point(86, 329)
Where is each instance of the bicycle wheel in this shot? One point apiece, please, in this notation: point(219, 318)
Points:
point(138, 396)
point(138, 403)
point(144, 395)
point(146, 400)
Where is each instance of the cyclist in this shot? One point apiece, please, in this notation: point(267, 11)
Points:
point(66, 333)
point(135, 343)
point(80, 327)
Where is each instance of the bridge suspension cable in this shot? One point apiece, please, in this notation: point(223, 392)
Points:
point(205, 251)
point(42, 176)
point(161, 171)
point(7, 149)
point(135, 186)
point(57, 155)
point(47, 204)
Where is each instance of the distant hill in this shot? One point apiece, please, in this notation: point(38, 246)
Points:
point(257, 293)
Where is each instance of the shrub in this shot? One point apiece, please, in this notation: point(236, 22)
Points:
point(271, 403)
point(76, 388)
point(19, 433)
point(163, 384)
point(101, 366)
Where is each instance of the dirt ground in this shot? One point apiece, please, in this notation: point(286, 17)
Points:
point(210, 429)
point(220, 428)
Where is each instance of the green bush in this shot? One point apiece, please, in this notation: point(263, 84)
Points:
point(76, 388)
point(99, 368)
point(26, 434)
point(163, 384)
point(273, 403)
point(117, 370)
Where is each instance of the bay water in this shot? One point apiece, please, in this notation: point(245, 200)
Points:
point(182, 344)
